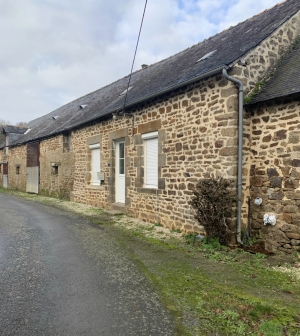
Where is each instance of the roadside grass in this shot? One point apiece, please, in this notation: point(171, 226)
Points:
point(218, 292)
point(208, 288)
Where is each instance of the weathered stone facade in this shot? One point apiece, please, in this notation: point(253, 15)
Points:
point(197, 137)
point(17, 167)
point(56, 166)
point(275, 172)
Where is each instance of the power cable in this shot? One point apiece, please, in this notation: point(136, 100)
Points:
point(134, 55)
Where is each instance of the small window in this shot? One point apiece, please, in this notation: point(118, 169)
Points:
point(150, 159)
point(18, 170)
point(121, 158)
point(95, 164)
point(54, 170)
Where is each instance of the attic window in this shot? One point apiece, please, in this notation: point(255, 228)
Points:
point(206, 56)
point(130, 87)
point(83, 106)
point(55, 117)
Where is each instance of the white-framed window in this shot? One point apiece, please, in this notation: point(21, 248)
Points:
point(95, 164)
point(150, 159)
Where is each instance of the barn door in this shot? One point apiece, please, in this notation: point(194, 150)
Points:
point(5, 175)
point(32, 168)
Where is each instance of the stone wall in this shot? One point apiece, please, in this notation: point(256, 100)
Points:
point(17, 168)
point(253, 68)
point(275, 172)
point(56, 167)
point(197, 138)
point(197, 134)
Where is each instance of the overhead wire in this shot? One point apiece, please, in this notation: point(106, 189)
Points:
point(137, 43)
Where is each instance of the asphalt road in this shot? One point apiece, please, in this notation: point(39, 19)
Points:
point(61, 275)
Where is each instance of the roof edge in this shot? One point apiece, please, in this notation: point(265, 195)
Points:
point(158, 93)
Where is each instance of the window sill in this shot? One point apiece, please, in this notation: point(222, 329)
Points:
point(96, 187)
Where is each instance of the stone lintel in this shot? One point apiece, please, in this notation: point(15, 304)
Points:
point(94, 139)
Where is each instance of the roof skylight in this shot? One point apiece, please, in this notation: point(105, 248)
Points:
point(206, 56)
point(121, 94)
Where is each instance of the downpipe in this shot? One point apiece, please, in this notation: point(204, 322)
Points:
point(240, 153)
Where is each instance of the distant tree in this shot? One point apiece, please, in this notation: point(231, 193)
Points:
point(21, 124)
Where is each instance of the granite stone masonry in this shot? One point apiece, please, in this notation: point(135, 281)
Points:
point(197, 138)
point(275, 172)
point(56, 166)
point(17, 168)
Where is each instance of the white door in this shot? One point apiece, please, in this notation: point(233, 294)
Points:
point(120, 172)
point(32, 181)
point(5, 181)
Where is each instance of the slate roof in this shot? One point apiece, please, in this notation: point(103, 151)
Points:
point(175, 71)
point(14, 129)
point(286, 80)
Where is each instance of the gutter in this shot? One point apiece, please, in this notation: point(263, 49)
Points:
point(240, 153)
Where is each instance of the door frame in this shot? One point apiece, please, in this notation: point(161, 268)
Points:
point(120, 179)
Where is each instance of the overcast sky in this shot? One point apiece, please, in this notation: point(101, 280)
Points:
point(54, 51)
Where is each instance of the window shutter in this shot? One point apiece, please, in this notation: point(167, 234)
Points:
point(151, 174)
point(95, 165)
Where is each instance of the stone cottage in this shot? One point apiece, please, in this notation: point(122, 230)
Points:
point(141, 148)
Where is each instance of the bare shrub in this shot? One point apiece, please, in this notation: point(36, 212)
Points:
point(213, 201)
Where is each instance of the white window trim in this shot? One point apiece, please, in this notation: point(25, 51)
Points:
point(95, 182)
point(149, 136)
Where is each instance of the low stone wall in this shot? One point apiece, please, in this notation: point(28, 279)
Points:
point(275, 173)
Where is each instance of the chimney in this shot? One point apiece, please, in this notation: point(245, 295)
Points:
point(144, 66)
